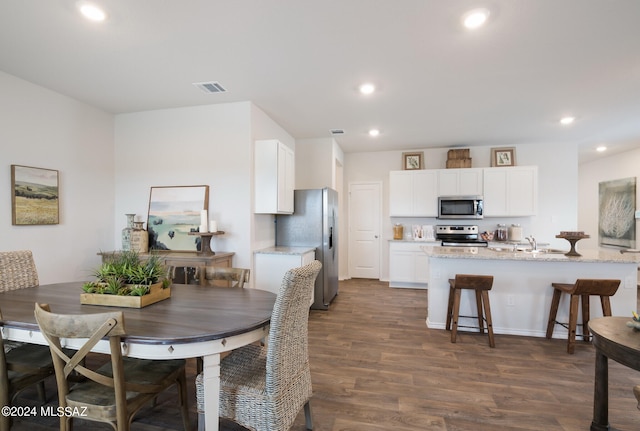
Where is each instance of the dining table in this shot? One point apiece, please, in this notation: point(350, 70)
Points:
point(196, 321)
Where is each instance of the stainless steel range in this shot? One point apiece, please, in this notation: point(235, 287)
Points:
point(459, 236)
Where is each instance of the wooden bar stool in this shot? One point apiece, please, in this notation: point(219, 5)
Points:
point(482, 284)
point(581, 290)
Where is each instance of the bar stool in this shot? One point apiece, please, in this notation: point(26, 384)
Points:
point(581, 290)
point(482, 284)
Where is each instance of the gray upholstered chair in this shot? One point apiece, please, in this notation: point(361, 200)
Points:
point(223, 276)
point(113, 392)
point(264, 388)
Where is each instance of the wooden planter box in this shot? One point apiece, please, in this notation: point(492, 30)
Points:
point(156, 294)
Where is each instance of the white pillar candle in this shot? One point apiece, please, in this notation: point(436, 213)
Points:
point(203, 221)
point(213, 226)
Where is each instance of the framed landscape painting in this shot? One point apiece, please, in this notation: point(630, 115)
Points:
point(34, 196)
point(174, 211)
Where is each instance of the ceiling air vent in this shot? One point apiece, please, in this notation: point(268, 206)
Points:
point(210, 87)
point(337, 132)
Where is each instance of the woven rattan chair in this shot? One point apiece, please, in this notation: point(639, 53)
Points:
point(18, 271)
point(636, 392)
point(21, 367)
point(223, 276)
point(115, 391)
point(264, 388)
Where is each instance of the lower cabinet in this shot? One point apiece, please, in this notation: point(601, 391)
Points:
point(408, 265)
point(273, 263)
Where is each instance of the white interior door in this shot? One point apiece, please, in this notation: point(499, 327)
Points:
point(364, 229)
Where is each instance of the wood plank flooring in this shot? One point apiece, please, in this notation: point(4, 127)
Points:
point(376, 367)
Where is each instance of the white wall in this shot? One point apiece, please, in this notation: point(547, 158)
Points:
point(618, 166)
point(557, 182)
point(209, 145)
point(44, 129)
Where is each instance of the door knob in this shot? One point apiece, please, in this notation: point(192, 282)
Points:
point(375, 236)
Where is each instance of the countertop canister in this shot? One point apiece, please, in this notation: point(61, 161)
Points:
point(515, 233)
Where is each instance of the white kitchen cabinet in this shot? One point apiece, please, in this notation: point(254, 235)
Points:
point(274, 177)
point(271, 265)
point(511, 191)
point(460, 182)
point(408, 265)
point(413, 193)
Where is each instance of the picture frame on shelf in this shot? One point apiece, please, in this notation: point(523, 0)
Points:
point(174, 212)
point(35, 196)
point(412, 161)
point(501, 157)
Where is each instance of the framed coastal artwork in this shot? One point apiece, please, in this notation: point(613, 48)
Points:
point(411, 161)
point(174, 211)
point(616, 213)
point(35, 196)
point(503, 157)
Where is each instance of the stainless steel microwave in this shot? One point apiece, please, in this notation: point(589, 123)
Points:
point(460, 207)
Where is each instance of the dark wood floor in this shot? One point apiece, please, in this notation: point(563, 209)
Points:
point(376, 367)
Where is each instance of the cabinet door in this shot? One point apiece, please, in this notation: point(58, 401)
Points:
point(400, 193)
point(425, 193)
point(511, 191)
point(401, 266)
point(274, 177)
point(460, 182)
point(286, 177)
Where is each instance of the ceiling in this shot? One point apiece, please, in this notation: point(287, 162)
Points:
point(301, 61)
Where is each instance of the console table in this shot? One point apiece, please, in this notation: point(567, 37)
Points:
point(612, 339)
point(184, 260)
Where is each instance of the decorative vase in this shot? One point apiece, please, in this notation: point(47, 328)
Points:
point(139, 238)
point(126, 232)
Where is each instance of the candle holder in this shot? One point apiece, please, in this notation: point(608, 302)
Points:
point(205, 242)
point(573, 238)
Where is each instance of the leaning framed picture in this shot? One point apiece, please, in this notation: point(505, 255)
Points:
point(174, 211)
point(411, 161)
point(503, 157)
point(34, 196)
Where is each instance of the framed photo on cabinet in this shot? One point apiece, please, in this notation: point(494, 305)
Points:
point(412, 161)
point(503, 157)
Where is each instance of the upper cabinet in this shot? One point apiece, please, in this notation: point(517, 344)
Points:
point(511, 191)
point(460, 182)
point(508, 192)
point(413, 193)
point(274, 177)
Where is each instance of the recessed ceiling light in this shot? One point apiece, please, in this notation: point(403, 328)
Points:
point(374, 132)
point(475, 18)
point(367, 88)
point(92, 12)
point(565, 121)
point(601, 148)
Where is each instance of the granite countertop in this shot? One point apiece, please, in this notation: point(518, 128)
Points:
point(487, 253)
point(281, 249)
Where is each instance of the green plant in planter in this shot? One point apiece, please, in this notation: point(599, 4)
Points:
point(124, 273)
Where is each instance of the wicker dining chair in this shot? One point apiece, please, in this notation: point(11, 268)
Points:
point(264, 388)
point(21, 367)
point(18, 271)
point(223, 276)
point(113, 392)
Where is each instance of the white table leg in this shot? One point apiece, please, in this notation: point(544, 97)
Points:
point(211, 380)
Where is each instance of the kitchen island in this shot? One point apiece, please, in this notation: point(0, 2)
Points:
point(521, 294)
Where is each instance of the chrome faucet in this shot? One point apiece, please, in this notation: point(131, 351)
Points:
point(533, 242)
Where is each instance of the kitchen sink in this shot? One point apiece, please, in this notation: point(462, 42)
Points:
point(527, 250)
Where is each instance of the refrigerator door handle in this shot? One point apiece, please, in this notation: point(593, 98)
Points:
point(330, 237)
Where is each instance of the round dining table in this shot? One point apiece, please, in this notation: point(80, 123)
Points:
point(196, 321)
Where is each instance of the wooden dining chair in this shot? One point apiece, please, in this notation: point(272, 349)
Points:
point(21, 367)
point(223, 276)
point(113, 392)
point(263, 388)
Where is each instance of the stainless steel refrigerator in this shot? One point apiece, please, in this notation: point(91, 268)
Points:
point(314, 223)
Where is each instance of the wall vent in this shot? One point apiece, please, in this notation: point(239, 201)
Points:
point(210, 87)
point(335, 132)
